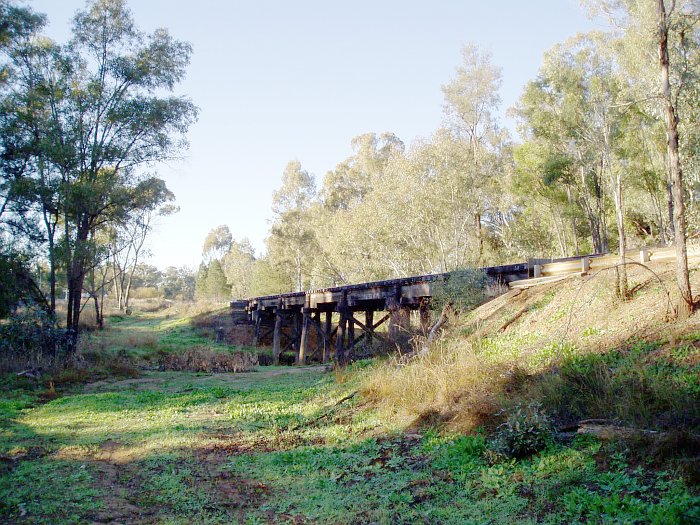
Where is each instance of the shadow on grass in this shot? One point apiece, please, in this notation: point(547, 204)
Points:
point(278, 450)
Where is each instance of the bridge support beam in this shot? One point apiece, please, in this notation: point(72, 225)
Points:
point(328, 327)
point(345, 315)
point(257, 320)
point(304, 339)
point(424, 312)
point(369, 323)
point(276, 336)
point(399, 320)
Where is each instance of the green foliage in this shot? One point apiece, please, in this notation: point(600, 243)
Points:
point(51, 491)
point(179, 283)
point(30, 338)
point(200, 285)
point(464, 289)
point(16, 283)
point(261, 447)
point(526, 431)
point(624, 385)
point(269, 278)
point(79, 121)
point(217, 243)
point(238, 266)
point(292, 239)
point(215, 286)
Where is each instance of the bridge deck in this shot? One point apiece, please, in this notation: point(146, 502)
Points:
point(292, 316)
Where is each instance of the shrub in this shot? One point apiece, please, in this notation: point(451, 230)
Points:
point(455, 381)
point(204, 359)
point(632, 386)
point(29, 338)
point(146, 292)
point(526, 431)
point(465, 289)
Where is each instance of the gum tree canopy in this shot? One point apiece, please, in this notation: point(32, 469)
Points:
point(83, 121)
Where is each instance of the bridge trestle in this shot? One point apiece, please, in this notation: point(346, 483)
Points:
point(323, 324)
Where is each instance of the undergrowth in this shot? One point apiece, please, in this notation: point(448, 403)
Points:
point(290, 447)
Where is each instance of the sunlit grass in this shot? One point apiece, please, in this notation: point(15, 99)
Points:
point(275, 446)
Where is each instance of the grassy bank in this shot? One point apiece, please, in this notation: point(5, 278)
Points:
point(276, 447)
point(573, 348)
point(162, 340)
point(437, 439)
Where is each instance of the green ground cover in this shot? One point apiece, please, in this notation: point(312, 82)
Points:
point(273, 446)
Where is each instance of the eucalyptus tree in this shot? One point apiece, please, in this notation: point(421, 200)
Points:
point(353, 178)
point(104, 113)
point(127, 237)
point(178, 283)
point(340, 225)
point(217, 243)
point(238, 266)
point(471, 102)
point(686, 304)
point(563, 119)
point(659, 52)
point(575, 111)
point(292, 242)
point(19, 232)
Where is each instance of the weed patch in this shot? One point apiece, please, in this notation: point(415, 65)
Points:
point(204, 359)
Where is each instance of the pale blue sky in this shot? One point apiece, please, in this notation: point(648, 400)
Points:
point(279, 80)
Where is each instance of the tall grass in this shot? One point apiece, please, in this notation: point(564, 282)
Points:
point(467, 382)
point(454, 381)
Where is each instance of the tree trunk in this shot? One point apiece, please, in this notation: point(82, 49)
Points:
point(622, 287)
point(77, 276)
point(685, 303)
point(52, 273)
point(98, 318)
point(479, 238)
point(669, 200)
point(600, 205)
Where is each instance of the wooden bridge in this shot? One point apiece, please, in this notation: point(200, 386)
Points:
point(291, 318)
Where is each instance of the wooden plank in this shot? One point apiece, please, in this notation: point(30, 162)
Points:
point(369, 294)
point(257, 319)
point(369, 321)
point(367, 332)
point(340, 340)
point(351, 336)
point(321, 298)
point(416, 291)
point(527, 283)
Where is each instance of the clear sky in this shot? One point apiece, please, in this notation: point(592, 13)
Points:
point(281, 80)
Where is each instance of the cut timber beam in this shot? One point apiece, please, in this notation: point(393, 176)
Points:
point(276, 335)
point(304, 343)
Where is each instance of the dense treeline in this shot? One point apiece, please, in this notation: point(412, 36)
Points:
point(591, 170)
